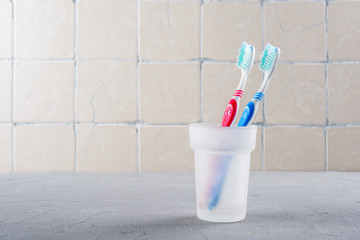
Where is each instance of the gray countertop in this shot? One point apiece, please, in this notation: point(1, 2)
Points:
point(281, 205)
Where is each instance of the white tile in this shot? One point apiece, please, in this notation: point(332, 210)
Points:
point(44, 29)
point(106, 92)
point(5, 91)
point(170, 93)
point(6, 29)
point(169, 30)
point(107, 29)
point(45, 148)
point(164, 149)
point(226, 24)
point(44, 91)
point(107, 148)
point(6, 149)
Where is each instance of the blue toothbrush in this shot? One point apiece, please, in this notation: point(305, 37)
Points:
point(218, 183)
point(269, 61)
point(245, 61)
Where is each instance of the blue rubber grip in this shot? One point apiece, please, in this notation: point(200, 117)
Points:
point(247, 114)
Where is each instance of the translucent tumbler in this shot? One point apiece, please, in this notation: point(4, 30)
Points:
point(222, 165)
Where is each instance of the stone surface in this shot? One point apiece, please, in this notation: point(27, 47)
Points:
point(225, 25)
point(296, 95)
point(5, 91)
point(170, 93)
point(44, 148)
point(165, 34)
point(44, 92)
point(297, 28)
point(344, 91)
point(343, 30)
point(107, 30)
point(344, 151)
point(6, 29)
point(106, 92)
point(5, 148)
point(294, 149)
point(165, 149)
point(162, 206)
point(106, 148)
point(256, 159)
point(44, 29)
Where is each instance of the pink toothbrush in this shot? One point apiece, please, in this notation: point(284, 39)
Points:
point(245, 62)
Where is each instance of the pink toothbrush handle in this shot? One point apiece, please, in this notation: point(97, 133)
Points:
point(231, 110)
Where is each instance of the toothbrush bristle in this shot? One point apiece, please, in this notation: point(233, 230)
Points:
point(245, 56)
point(268, 58)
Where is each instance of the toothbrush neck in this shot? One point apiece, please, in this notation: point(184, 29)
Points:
point(241, 85)
point(265, 83)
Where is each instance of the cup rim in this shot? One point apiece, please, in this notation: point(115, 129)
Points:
point(218, 126)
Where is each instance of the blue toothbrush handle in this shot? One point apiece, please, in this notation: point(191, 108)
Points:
point(218, 184)
point(250, 110)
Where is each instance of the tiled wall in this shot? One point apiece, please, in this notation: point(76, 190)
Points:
point(111, 85)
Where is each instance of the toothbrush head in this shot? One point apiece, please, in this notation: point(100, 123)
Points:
point(246, 56)
point(269, 58)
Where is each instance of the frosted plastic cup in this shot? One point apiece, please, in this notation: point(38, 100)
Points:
point(222, 165)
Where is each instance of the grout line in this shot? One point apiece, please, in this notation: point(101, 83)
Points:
point(201, 29)
point(138, 132)
point(263, 102)
point(138, 87)
point(42, 123)
point(326, 89)
point(267, 125)
point(13, 133)
point(326, 149)
point(108, 60)
point(326, 116)
point(68, 60)
point(331, 1)
point(201, 62)
point(201, 92)
point(326, 32)
point(140, 123)
point(216, 0)
point(176, 0)
point(263, 148)
point(193, 60)
point(44, 59)
point(75, 129)
point(168, 9)
point(76, 167)
point(262, 23)
point(272, 1)
point(326, 69)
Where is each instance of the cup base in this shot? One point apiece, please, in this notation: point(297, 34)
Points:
point(221, 217)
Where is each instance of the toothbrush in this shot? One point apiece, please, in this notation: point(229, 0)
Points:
point(269, 61)
point(245, 62)
point(218, 184)
point(268, 64)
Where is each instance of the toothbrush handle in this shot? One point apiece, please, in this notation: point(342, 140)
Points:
point(231, 109)
point(250, 110)
point(218, 183)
